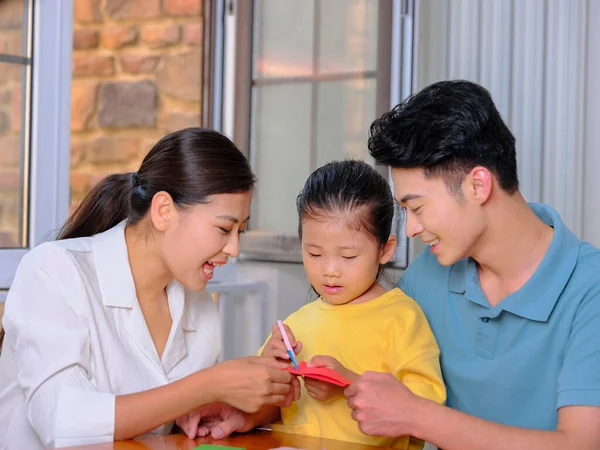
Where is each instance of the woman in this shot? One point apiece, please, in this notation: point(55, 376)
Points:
point(110, 333)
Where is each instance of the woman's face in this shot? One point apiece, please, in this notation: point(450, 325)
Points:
point(204, 236)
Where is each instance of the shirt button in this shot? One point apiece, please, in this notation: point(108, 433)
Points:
point(485, 319)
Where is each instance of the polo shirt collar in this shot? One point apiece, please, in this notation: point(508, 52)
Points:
point(538, 297)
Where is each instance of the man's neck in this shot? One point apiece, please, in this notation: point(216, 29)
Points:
point(511, 249)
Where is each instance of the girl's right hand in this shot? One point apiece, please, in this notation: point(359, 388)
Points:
point(275, 346)
point(256, 381)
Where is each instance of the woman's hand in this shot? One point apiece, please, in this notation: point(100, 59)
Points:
point(321, 390)
point(255, 381)
point(275, 346)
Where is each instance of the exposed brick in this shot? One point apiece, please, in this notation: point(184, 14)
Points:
point(126, 105)
point(139, 63)
point(85, 38)
point(10, 72)
point(163, 35)
point(177, 120)
point(10, 151)
point(112, 149)
point(80, 182)
point(90, 65)
point(5, 96)
point(11, 14)
point(119, 36)
point(87, 10)
point(183, 7)
point(192, 34)
point(11, 42)
point(180, 76)
point(8, 239)
point(12, 209)
point(16, 109)
point(77, 150)
point(133, 9)
point(4, 122)
point(97, 177)
point(146, 145)
point(84, 94)
point(10, 179)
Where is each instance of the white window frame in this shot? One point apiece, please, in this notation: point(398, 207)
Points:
point(47, 168)
point(228, 32)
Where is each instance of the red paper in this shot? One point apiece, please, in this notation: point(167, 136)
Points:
point(319, 373)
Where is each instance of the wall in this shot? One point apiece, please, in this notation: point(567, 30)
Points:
point(137, 75)
point(591, 180)
point(11, 43)
point(533, 58)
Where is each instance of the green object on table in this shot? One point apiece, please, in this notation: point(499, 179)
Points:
point(216, 447)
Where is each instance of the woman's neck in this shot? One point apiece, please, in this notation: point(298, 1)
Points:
point(150, 274)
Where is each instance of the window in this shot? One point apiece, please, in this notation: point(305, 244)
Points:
point(302, 82)
point(35, 39)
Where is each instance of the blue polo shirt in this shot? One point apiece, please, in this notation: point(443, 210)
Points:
point(534, 352)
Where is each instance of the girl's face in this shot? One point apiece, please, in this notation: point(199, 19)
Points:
point(204, 236)
point(341, 262)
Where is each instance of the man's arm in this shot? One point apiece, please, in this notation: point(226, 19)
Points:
point(383, 406)
point(578, 428)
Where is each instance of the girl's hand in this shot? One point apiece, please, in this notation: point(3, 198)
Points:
point(321, 390)
point(275, 346)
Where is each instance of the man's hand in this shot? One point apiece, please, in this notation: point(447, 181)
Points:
point(382, 405)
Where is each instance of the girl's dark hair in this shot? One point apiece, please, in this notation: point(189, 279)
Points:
point(351, 187)
point(190, 164)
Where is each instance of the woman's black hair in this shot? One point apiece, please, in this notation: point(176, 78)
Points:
point(191, 165)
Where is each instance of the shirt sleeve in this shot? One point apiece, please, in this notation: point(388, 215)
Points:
point(418, 354)
point(52, 355)
point(579, 377)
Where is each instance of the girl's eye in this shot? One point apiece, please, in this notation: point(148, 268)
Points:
point(415, 210)
point(349, 258)
point(224, 230)
point(313, 255)
point(241, 231)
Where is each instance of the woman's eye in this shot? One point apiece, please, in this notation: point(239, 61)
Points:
point(313, 255)
point(349, 258)
point(224, 230)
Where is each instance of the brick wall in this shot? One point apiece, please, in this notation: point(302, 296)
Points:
point(11, 13)
point(137, 75)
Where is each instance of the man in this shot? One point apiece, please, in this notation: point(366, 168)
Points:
point(512, 296)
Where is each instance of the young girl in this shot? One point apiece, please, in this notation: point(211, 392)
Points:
point(109, 331)
point(345, 211)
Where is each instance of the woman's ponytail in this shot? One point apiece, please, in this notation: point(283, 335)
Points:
point(106, 205)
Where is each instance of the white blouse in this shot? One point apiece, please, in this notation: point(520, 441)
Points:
point(76, 338)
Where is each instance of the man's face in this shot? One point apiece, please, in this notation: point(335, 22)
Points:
point(449, 224)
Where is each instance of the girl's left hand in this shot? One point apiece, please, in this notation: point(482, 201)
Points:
point(321, 390)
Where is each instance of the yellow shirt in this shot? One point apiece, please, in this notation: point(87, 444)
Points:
point(387, 334)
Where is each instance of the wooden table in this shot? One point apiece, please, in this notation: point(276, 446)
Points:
point(256, 440)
